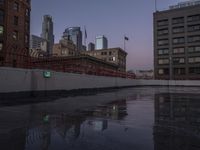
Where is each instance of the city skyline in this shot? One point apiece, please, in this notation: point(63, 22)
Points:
point(114, 19)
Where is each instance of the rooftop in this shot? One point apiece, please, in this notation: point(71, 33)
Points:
point(185, 4)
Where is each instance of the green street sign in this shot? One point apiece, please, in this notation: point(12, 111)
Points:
point(47, 74)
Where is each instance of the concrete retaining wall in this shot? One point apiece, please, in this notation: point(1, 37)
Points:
point(24, 80)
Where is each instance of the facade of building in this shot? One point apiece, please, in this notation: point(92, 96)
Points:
point(177, 42)
point(14, 30)
point(101, 42)
point(47, 32)
point(91, 47)
point(75, 35)
point(112, 55)
point(35, 42)
point(64, 48)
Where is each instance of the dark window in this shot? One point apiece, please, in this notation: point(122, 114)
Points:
point(1, 16)
point(193, 39)
point(1, 46)
point(27, 26)
point(178, 20)
point(193, 18)
point(194, 70)
point(163, 31)
point(163, 42)
point(194, 28)
point(164, 71)
point(162, 22)
point(26, 38)
point(194, 49)
point(178, 60)
point(1, 2)
point(179, 71)
point(16, 20)
point(16, 6)
point(1, 30)
point(178, 40)
point(163, 51)
point(179, 50)
point(178, 29)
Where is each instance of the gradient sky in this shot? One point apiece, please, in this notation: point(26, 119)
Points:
point(112, 18)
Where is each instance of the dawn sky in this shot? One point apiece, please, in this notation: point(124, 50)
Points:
point(112, 18)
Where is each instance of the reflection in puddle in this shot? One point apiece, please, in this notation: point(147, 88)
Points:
point(134, 120)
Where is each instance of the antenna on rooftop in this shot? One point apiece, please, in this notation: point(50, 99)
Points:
point(155, 5)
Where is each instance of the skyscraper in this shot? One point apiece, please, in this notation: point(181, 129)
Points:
point(91, 46)
point(14, 31)
point(47, 32)
point(75, 35)
point(101, 42)
point(177, 41)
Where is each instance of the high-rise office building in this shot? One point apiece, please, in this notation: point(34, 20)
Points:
point(47, 32)
point(75, 35)
point(91, 46)
point(14, 31)
point(35, 42)
point(101, 42)
point(177, 42)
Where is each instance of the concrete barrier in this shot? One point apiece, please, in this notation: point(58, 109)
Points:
point(13, 80)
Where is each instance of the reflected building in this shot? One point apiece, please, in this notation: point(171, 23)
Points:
point(177, 121)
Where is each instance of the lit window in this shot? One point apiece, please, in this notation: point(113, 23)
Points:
point(163, 61)
point(179, 50)
point(178, 40)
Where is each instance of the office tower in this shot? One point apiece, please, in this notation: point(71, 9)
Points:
point(91, 47)
point(47, 32)
point(177, 42)
point(75, 35)
point(14, 31)
point(35, 42)
point(101, 42)
point(84, 48)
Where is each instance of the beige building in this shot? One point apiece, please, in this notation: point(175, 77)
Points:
point(112, 55)
point(64, 48)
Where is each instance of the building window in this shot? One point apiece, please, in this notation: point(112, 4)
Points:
point(178, 29)
point(163, 32)
point(193, 39)
point(163, 22)
point(163, 61)
point(179, 71)
point(194, 49)
point(178, 20)
point(164, 71)
point(16, 6)
point(27, 26)
point(178, 40)
point(1, 46)
point(27, 13)
point(194, 60)
point(1, 16)
point(1, 2)
point(193, 18)
point(163, 42)
point(178, 60)
point(179, 50)
point(194, 70)
point(163, 51)
point(192, 28)
point(16, 20)
point(15, 35)
point(26, 38)
point(1, 30)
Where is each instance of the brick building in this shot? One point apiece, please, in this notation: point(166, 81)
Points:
point(14, 31)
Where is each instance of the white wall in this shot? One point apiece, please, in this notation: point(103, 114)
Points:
point(21, 80)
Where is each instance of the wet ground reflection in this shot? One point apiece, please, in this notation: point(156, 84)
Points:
point(137, 118)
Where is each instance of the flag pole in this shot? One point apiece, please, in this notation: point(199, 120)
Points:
point(124, 43)
point(155, 5)
point(85, 36)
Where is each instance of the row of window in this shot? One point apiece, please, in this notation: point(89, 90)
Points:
point(179, 40)
point(179, 20)
point(179, 71)
point(107, 53)
point(179, 60)
point(180, 29)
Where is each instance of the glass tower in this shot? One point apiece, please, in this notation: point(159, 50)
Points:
point(101, 42)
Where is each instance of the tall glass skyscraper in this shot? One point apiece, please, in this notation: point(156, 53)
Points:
point(47, 32)
point(75, 35)
point(101, 42)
